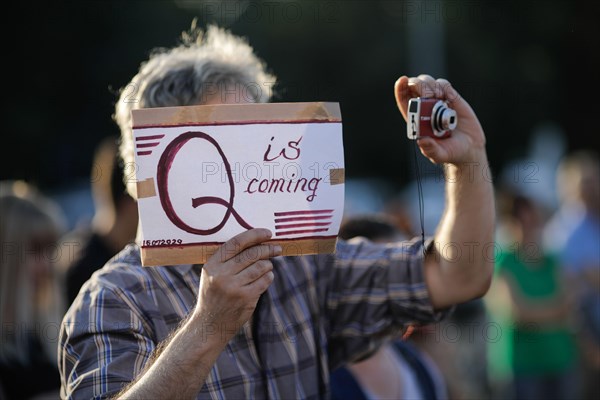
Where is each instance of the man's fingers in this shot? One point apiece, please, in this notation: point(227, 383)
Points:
point(251, 255)
point(454, 98)
point(254, 271)
point(429, 86)
point(240, 242)
point(421, 86)
point(448, 93)
point(426, 78)
point(402, 94)
point(260, 285)
point(431, 149)
point(426, 86)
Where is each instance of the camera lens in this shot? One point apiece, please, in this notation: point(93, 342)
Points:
point(448, 119)
point(443, 118)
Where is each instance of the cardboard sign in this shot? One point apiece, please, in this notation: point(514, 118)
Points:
point(207, 173)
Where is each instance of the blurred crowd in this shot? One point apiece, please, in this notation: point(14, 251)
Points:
point(44, 263)
point(534, 335)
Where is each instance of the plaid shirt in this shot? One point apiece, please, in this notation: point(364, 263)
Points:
point(319, 312)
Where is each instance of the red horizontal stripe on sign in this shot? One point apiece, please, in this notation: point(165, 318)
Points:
point(151, 144)
point(294, 219)
point(151, 137)
point(299, 231)
point(143, 153)
point(287, 226)
point(258, 122)
point(284, 213)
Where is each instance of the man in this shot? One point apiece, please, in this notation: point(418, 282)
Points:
point(249, 323)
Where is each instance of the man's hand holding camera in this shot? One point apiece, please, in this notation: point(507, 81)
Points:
point(467, 142)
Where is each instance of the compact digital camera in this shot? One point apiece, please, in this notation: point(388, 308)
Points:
point(429, 117)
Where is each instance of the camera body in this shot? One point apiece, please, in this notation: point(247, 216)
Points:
point(428, 117)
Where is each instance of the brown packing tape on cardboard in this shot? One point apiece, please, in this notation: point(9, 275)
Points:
point(145, 188)
point(236, 113)
point(337, 176)
point(199, 254)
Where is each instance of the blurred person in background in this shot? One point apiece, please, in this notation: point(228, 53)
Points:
point(458, 346)
point(458, 342)
point(543, 347)
point(31, 301)
point(576, 181)
point(114, 223)
point(579, 251)
point(398, 369)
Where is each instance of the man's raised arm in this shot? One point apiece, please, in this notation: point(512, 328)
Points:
point(459, 266)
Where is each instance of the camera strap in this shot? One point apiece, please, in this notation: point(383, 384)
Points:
point(420, 194)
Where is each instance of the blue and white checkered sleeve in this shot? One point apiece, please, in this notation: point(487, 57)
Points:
point(104, 343)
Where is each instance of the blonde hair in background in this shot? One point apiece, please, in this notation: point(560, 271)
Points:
point(31, 301)
point(206, 63)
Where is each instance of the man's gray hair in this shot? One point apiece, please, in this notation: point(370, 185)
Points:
point(206, 64)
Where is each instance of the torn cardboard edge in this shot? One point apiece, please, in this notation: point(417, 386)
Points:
point(223, 114)
point(200, 253)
